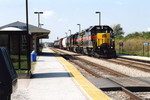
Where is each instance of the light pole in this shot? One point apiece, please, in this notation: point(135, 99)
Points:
point(38, 17)
point(79, 27)
point(66, 34)
point(28, 39)
point(70, 31)
point(27, 16)
point(99, 17)
point(41, 25)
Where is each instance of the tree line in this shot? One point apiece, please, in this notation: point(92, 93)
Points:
point(118, 33)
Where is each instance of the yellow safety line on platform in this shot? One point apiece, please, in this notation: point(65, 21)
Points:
point(88, 87)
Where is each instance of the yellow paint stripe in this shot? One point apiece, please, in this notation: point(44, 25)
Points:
point(88, 87)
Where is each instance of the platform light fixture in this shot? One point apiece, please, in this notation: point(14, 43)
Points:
point(79, 27)
point(66, 34)
point(99, 17)
point(70, 31)
point(38, 17)
point(41, 25)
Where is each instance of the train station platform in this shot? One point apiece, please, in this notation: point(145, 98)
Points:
point(135, 57)
point(56, 79)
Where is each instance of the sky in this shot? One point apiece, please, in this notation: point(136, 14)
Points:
point(61, 15)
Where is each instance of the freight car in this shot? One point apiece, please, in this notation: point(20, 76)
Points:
point(64, 46)
point(95, 41)
point(56, 44)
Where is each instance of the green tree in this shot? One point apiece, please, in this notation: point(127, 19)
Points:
point(134, 35)
point(118, 30)
point(119, 37)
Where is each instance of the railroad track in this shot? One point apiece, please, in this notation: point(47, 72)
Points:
point(130, 63)
point(74, 59)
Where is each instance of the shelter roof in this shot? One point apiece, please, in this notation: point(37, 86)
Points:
point(22, 26)
point(18, 26)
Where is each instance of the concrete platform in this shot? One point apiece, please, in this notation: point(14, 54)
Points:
point(144, 79)
point(104, 83)
point(56, 79)
point(130, 82)
point(135, 57)
point(115, 83)
point(51, 81)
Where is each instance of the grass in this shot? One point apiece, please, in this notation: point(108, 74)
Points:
point(23, 63)
point(32, 66)
point(25, 71)
point(133, 46)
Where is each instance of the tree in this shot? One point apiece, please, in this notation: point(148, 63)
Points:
point(118, 30)
point(119, 37)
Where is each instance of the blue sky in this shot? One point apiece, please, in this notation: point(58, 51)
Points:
point(60, 16)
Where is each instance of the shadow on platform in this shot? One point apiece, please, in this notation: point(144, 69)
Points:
point(48, 54)
point(66, 56)
point(51, 75)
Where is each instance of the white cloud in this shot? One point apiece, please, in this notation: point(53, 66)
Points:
point(119, 3)
point(48, 14)
point(62, 20)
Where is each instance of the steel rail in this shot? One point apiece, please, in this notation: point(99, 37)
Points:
point(132, 95)
point(138, 66)
point(99, 66)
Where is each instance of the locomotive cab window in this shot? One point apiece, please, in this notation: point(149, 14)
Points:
point(103, 31)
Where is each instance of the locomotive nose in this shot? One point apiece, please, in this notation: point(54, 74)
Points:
point(103, 38)
point(99, 39)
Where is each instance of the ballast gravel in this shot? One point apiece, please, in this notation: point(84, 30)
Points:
point(120, 68)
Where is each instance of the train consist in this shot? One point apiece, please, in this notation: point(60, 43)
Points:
point(95, 41)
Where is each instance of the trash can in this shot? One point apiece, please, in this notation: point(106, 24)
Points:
point(8, 75)
point(33, 56)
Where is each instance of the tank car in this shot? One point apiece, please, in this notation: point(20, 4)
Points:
point(56, 44)
point(64, 46)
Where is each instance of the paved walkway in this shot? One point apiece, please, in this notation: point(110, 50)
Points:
point(136, 57)
point(51, 81)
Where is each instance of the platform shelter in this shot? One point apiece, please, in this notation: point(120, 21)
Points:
point(21, 43)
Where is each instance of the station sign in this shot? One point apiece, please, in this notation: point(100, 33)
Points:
point(145, 43)
point(20, 27)
point(121, 43)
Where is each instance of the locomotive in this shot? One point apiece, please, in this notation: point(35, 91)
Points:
point(94, 41)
